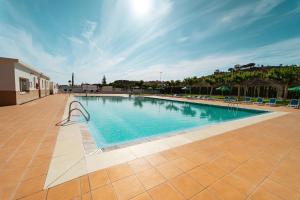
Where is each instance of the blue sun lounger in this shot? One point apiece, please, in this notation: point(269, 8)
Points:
point(247, 100)
point(272, 102)
point(294, 103)
point(259, 101)
point(226, 99)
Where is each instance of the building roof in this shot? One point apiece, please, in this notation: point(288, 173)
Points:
point(30, 68)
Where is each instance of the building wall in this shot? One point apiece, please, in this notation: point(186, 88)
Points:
point(28, 96)
point(23, 97)
point(11, 70)
point(21, 72)
point(45, 93)
point(89, 88)
point(118, 89)
point(107, 89)
point(7, 98)
point(7, 84)
point(44, 87)
point(53, 87)
point(7, 80)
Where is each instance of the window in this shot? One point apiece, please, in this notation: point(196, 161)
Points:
point(24, 85)
point(34, 83)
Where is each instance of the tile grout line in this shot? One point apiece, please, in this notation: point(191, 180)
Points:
point(16, 150)
point(46, 131)
point(272, 170)
point(265, 177)
point(135, 155)
point(67, 170)
point(252, 157)
point(220, 178)
point(24, 172)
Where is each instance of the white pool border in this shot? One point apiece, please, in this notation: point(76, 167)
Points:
point(69, 159)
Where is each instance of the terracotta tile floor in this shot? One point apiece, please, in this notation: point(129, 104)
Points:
point(256, 162)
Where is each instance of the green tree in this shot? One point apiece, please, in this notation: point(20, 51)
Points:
point(190, 82)
point(104, 80)
point(211, 81)
point(286, 76)
point(140, 84)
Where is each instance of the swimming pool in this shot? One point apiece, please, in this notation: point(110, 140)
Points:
point(117, 120)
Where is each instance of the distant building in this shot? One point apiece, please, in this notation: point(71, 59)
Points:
point(217, 71)
point(248, 66)
point(89, 88)
point(118, 90)
point(63, 88)
point(53, 88)
point(237, 67)
point(107, 89)
point(20, 83)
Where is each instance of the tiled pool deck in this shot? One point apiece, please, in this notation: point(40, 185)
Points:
point(260, 161)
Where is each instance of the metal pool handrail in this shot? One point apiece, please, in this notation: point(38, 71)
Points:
point(87, 117)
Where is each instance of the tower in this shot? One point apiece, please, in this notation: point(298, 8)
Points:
point(72, 79)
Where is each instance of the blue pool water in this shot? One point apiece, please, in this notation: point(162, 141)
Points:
point(117, 120)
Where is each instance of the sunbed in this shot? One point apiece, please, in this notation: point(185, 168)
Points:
point(232, 99)
point(294, 103)
point(247, 100)
point(226, 99)
point(209, 98)
point(272, 102)
point(259, 101)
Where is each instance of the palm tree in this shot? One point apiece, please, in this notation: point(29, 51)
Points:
point(172, 85)
point(211, 81)
point(140, 84)
point(285, 75)
point(189, 82)
point(104, 80)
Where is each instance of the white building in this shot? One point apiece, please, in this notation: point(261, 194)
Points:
point(89, 88)
point(20, 83)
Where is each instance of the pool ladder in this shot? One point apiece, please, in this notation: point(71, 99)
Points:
point(86, 115)
point(233, 104)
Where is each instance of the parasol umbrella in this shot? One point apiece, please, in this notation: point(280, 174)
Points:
point(224, 89)
point(185, 89)
point(294, 89)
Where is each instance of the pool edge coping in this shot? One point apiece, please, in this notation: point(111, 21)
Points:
point(66, 166)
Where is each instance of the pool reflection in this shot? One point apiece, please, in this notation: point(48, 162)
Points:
point(116, 120)
point(201, 111)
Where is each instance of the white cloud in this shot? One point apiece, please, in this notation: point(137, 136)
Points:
point(265, 6)
point(283, 52)
point(237, 17)
point(250, 12)
point(100, 48)
point(99, 55)
point(164, 8)
point(75, 40)
point(89, 29)
point(182, 39)
point(16, 43)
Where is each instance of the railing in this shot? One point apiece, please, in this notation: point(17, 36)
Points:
point(87, 117)
point(232, 102)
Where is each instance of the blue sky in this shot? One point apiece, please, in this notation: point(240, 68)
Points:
point(138, 39)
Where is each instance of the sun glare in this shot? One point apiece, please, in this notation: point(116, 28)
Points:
point(141, 8)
